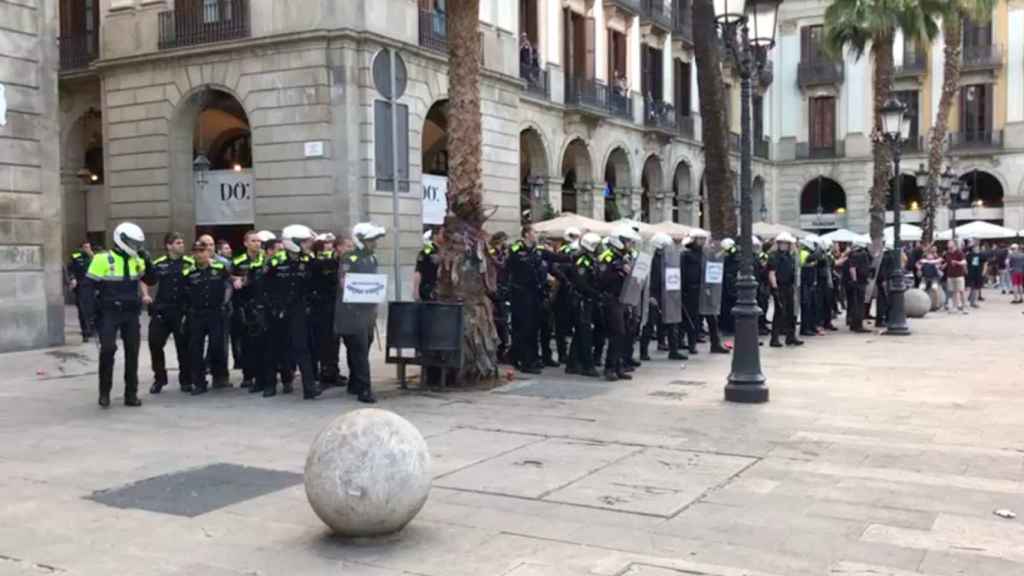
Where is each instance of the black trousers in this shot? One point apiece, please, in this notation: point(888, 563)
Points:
point(599, 335)
point(763, 300)
point(501, 325)
point(357, 353)
point(784, 321)
point(237, 339)
point(725, 320)
point(615, 332)
point(525, 330)
point(206, 325)
point(164, 325)
point(289, 340)
point(651, 330)
point(326, 344)
point(581, 350)
point(808, 306)
point(83, 315)
point(546, 324)
point(565, 323)
point(855, 306)
point(691, 310)
point(125, 322)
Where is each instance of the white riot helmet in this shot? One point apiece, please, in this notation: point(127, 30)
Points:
point(621, 235)
point(810, 241)
point(756, 241)
point(571, 234)
point(728, 243)
point(366, 231)
point(293, 236)
point(590, 241)
point(428, 237)
point(825, 243)
point(130, 239)
point(615, 241)
point(661, 240)
point(266, 235)
point(326, 237)
point(785, 238)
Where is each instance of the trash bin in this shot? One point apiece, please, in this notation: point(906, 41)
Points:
point(440, 327)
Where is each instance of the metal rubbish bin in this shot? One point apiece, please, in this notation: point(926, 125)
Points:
point(440, 327)
point(431, 330)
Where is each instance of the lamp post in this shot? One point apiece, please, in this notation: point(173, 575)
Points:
point(896, 128)
point(200, 167)
point(748, 31)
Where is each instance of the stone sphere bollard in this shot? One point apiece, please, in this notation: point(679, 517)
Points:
point(916, 302)
point(368, 473)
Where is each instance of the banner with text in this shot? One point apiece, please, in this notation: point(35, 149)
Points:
point(225, 199)
point(435, 199)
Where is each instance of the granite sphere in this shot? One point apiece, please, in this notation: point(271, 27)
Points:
point(368, 473)
point(916, 302)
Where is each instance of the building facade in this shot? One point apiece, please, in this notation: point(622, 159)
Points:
point(221, 115)
point(31, 252)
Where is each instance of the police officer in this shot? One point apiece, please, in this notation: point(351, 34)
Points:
point(78, 265)
point(584, 278)
point(111, 288)
point(251, 326)
point(809, 286)
point(286, 286)
point(166, 318)
point(613, 270)
point(856, 273)
point(763, 286)
point(424, 279)
point(694, 264)
point(564, 301)
point(356, 322)
point(205, 294)
point(324, 343)
point(497, 253)
point(782, 279)
point(730, 290)
point(660, 295)
point(526, 287)
point(825, 303)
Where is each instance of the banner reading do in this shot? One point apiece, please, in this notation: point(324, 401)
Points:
point(226, 198)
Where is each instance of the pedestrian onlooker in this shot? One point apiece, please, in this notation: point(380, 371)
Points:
point(956, 271)
point(929, 268)
point(975, 274)
point(1015, 264)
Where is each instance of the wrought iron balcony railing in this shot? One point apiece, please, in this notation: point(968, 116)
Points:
point(596, 97)
point(655, 13)
point(78, 50)
point(659, 115)
point(975, 139)
point(804, 150)
point(537, 80)
point(203, 23)
point(434, 30)
point(631, 6)
point(990, 56)
point(816, 72)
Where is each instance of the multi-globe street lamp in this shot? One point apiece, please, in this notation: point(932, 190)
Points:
point(748, 31)
point(896, 130)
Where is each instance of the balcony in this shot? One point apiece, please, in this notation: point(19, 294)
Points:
point(685, 126)
point(914, 64)
point(655, 13)
point(78, 50)
point(204, 23)
point(596, 98)
point(434, 30)
point(804, 151)
point(682, 23)
point(659, 116)
point(982, 57)
point(818, 72)
point(536, 79)
point(631, 7)
point(762, 148)
point(976, 140)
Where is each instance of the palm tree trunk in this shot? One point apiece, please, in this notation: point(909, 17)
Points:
point(882, 83)
point(463, 274)
point(715, 125)
point(952, 46)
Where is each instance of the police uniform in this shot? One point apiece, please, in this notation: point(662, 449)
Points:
point(166, 319)
point(426, 266)
point(112, 291)
point(784, 321)
point(565, 301)
point(204, 298)
point(763, 291)
point(527, 293)
point(251, 315)
point(653, 328)
point(325, 345)
point(584, 277)
point(856, 273)
point(78, 266)
point(286, 289)
point(499, 299)
point(612, 278)
point(808, 291)
point(355, 323)
point(730, 290)
point(692, 264)
point(823, 309)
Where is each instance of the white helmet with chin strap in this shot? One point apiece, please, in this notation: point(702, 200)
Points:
point(810, 241)
point(428, 237)
point(590, 241)
point(571, 234)
point(130, 239)
point(266, 235)
point(366, 231)
point(728, 243)
point(661, 240)
point(293, 236)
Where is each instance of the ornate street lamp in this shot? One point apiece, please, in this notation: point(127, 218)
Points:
point(896, 130)
point(748, 31)
point(200, 167)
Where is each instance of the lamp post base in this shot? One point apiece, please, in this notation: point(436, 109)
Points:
point(897, 320)
point(746, 393)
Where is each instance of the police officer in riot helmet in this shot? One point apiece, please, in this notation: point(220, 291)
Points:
point(613, 269)
point(355, 322)
point(111, 287)
point(782, 271)
point(584, 278)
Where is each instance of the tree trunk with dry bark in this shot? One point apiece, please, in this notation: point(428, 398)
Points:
point(881, 78)
point(952, 28)
point(464, 273)
point(718, 176)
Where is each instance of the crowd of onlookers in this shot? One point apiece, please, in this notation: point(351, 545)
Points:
point(956, 272)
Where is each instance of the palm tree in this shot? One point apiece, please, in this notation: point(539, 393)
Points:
point(858, 25)
point(952, 31)
point(463, 274)
point(715, 129)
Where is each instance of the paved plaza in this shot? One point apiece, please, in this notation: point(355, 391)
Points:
point(877, 456)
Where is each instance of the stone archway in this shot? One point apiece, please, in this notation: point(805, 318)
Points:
point(618, 181)
point(83, 181)
point(822, 205)
point(683, 199)
point(577, 178)
point(651, 185)
point(211, 126)
point(533, 176)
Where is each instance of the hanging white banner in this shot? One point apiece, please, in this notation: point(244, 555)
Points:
point(226, 198)
point(435, 199)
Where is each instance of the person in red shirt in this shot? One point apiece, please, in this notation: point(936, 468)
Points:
point(956, 270)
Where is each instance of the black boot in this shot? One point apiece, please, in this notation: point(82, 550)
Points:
point(624, 376)
point(367, 397)
point(105, 399)
point(610, 376)
point(156, 387)
point(676, 355)
point(199, 389)
point(775, 343)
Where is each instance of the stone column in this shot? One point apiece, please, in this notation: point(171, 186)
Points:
point(552, 194)
point(584, 200)
point(597, 201)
